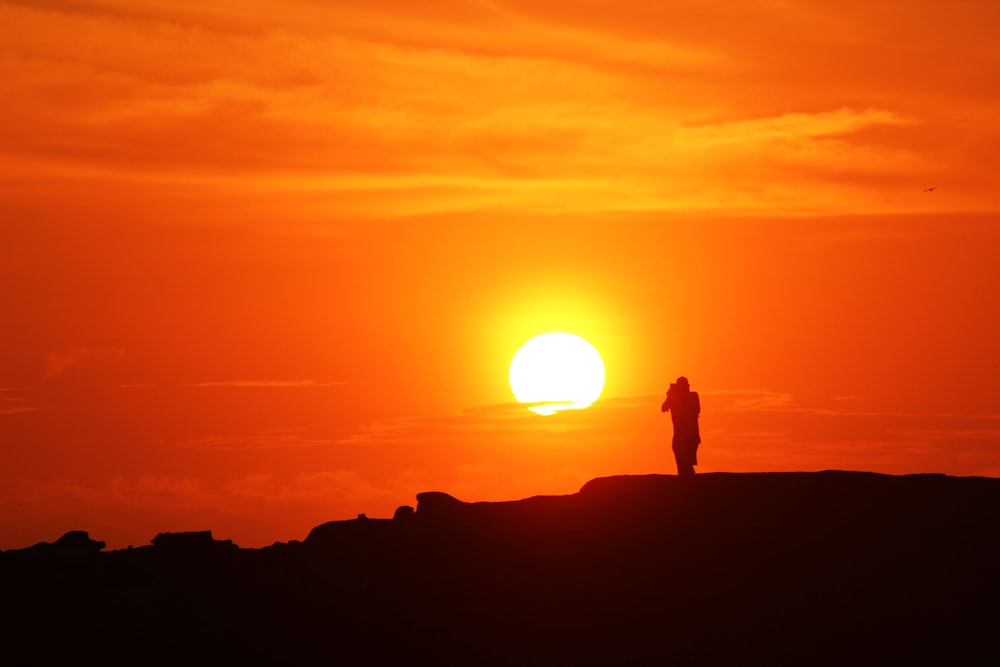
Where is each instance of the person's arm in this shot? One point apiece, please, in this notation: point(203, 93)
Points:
point(666, 404)
point(697, 404)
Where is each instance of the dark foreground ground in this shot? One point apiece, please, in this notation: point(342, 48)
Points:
point(838, 568)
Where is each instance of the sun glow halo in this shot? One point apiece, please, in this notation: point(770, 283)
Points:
point(557, 371)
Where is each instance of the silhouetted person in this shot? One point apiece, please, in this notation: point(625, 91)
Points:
point(684, 407)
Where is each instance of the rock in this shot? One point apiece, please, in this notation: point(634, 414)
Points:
point(342, 534)
point(73, 543)
point(78, 541)
point(748, 568)
point(436, 504)
point(403, 513)
point(200, 541)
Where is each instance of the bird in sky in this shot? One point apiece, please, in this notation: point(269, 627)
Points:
point(930, 189)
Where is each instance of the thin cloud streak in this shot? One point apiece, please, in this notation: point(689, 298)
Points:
point(271, 439)
point(268, 384)
point(17, 400)
point(17, 410)
point(59, 362)
point(742, 400)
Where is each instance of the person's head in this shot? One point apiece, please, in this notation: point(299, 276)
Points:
point(682, 382)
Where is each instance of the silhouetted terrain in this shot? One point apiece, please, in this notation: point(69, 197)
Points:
point(770, 568)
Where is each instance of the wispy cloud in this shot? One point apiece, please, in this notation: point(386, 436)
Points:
point(751, 399)
point(17, 400)
point(253, 509)
point(499, 421)
point(957, 433)
point(490, 106)
point(167, 492)
point(271, 439)
point(267, 384)
point(17, 409)
point(326, 486)
point(766, 400)
point(59, 362)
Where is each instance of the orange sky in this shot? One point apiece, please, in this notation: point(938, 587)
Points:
point(264, 264)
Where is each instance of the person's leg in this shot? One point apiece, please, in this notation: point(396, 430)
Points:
point(685, 461)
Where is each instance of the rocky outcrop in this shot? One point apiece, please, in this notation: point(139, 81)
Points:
point(403, 513)
point(432, 505)
point(340, 534)
point(78, 541)
point(192, 542)
point(820, 568)
point(74, 544)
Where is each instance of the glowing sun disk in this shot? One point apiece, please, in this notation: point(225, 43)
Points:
point(557, 371)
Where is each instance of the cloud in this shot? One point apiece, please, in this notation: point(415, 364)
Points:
point(271, 439)
point(17, 400)
point(548, 107)
point(499, 422)
point(790, 127)
point(751, 399)
point(17, 409)
point(269, 384)
point(956, 433)
point(254, 509)
point(147, 489)
point(59, 362)
point(766, 400)
point(170, 492)
point(336, 486)
point(512, 421)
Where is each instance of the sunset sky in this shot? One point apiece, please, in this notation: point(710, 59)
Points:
point(264, 264)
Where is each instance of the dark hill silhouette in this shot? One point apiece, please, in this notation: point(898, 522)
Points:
point(769, 568)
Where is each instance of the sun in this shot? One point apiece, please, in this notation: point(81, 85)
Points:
point(557, 371)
